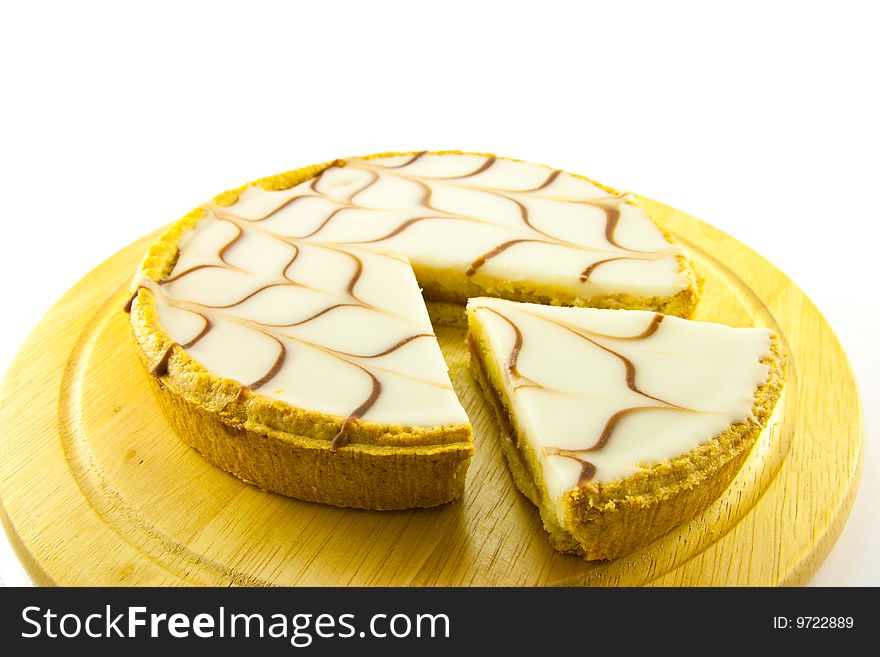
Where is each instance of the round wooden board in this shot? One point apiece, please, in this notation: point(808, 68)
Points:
point(96, 489)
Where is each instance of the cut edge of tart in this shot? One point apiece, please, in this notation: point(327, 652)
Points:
point(607, 519)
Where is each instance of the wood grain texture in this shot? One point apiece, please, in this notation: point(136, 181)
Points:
point(97, 490)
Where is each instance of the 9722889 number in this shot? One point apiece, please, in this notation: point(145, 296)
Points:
point(824, 622)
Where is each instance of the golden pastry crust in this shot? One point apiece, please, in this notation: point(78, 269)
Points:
point(286, 449)
point(616, 518)
point(361, 475)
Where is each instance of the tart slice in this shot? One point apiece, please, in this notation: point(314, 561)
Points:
point(621, 424)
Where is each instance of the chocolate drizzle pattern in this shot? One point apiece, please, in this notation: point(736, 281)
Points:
point(541, 327)
point(347, 213)
point(359, 361)
point(588, 470)
point(528, 232)
point(272, 331)
point(610, 205)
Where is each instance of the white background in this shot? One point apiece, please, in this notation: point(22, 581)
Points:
point(761, 118)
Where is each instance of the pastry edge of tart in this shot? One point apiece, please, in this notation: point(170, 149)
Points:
point(613, 519)
point(363, 476)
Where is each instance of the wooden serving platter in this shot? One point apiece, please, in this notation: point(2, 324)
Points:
point(96, 489)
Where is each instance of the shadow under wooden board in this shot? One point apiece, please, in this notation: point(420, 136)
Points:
point(96, 488)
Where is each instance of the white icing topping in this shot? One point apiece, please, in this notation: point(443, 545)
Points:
point(333, 342)
point(452, 212)
point(307, 295)
point(577, 369)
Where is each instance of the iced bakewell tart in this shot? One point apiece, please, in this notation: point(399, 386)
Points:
point(287, 339)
